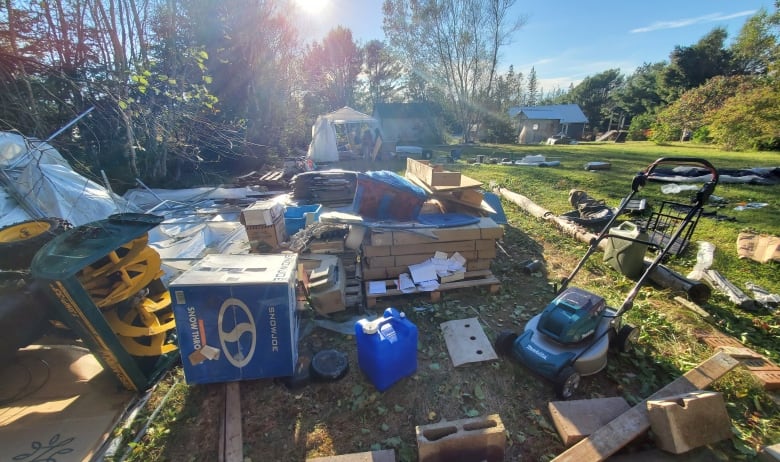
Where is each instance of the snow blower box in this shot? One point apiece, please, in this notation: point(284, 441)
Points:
point(236, 317)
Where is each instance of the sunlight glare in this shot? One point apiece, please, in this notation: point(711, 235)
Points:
point(312, 6)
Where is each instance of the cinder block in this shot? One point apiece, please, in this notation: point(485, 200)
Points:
point(684, 422)
point(477, 439)
point(770, 453)
point(769, 379)
point(577, 419)
point(385, 455)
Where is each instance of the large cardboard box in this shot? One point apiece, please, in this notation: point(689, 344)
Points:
point(266, 238)
point(263, 213)
point(236, 317)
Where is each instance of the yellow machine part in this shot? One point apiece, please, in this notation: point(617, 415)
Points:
point(142, 320)
point(142, 327)
point(117, 259)
point(142, 330)
point(126, 280)
point(23, 231)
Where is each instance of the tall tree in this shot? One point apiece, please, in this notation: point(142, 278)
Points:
point(594, 94)
point(333, 67)
point(691, 66)
point(639, 92)
point(756, 45)
point(382, 73)
point(454, 43)
point(532, 93)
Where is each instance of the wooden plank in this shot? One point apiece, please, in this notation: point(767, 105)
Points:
point(695, 308)
point(472, 279)
point(232, 450)
point(610, 438)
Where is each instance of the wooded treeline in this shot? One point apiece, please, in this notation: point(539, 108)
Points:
point(183, 89)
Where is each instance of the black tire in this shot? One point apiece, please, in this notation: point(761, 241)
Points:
point(566, 383)
point(21, 241)
point(626, 338)
point(504, 342)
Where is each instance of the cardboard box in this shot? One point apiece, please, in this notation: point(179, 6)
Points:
point(432, 175)
point(261, 213)
point(264, 238)
point(331, 296)
point(236, 317)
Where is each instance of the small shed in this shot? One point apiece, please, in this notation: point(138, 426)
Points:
point(409, 123)
point(537, 123)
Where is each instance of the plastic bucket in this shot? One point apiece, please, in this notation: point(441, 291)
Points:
point(624, 255)
point(387, 348)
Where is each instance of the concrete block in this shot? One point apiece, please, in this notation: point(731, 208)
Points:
point(385, 455)
point(577, 419)
point(476, 439)
point(684, 422)
point(770, 453)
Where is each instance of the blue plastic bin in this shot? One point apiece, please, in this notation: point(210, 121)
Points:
point(296, 217)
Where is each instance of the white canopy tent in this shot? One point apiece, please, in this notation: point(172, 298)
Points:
point(324, 146)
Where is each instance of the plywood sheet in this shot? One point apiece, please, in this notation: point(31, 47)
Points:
point(467, 342)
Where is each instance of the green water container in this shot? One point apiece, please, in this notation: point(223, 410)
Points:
point(623, 254)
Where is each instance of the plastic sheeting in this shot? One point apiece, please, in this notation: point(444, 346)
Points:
point(46, 182)
point(323, 146)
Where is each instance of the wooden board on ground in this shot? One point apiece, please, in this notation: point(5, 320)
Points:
point(467, 342)
point(471, 279)
point(231, 441)
point(610, 438)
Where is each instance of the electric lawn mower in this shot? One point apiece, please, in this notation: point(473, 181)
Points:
point(571, 337)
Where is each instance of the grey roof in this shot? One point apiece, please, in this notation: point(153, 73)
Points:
point(566, 113)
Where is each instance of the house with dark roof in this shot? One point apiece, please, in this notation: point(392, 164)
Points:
point(537, 123)
point(409, 123)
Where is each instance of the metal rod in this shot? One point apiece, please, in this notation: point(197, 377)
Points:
point(78, 117)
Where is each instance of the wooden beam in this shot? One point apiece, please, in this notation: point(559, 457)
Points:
point(610, 438)
point(231, 445)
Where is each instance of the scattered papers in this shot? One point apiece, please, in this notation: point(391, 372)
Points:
point(405, 284)
point(423, 272)
point(376, 287)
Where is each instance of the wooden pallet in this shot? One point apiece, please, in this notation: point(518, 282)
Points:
point(471, 279)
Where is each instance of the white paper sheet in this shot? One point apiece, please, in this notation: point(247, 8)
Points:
point(377, 287)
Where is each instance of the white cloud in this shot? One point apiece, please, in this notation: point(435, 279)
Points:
point(674, 24)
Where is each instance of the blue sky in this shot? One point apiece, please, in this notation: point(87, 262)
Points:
point(568, 40)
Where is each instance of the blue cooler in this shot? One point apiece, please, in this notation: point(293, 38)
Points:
point(387, 348)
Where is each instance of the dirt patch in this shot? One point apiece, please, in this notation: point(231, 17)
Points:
point(347, 416)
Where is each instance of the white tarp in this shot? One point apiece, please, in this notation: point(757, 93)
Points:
point(40, 175)
point(323, 146)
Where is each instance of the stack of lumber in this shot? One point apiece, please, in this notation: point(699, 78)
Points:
point(457, 192)
point(331, 188)
point(388, 253)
